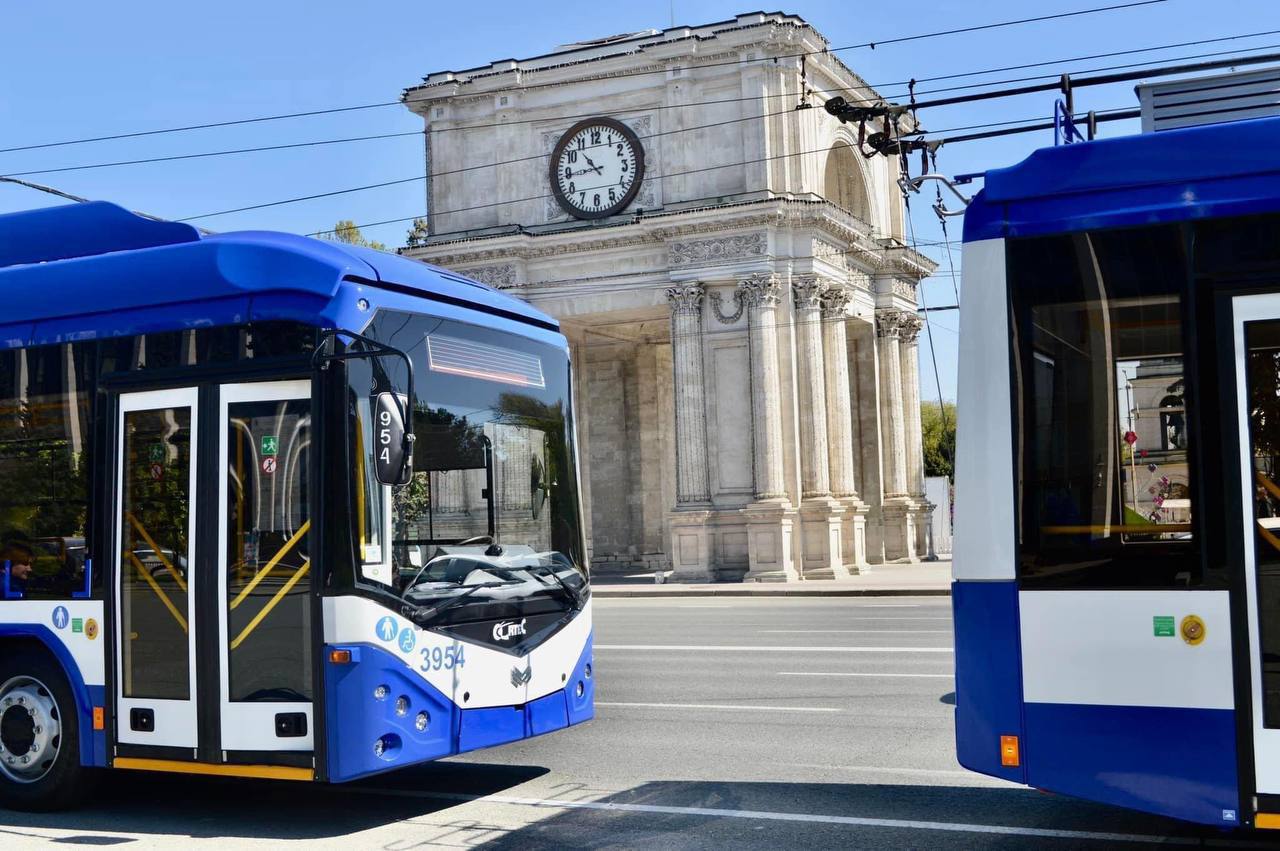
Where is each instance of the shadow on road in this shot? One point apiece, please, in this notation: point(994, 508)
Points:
point(718, 815)
point(210, 807)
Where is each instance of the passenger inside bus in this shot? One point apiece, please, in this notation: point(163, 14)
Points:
point(19, 557)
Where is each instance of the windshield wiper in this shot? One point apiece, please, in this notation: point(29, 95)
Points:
point(574, 593)
point(426, 616)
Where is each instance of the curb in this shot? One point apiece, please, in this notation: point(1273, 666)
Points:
point(712, 591)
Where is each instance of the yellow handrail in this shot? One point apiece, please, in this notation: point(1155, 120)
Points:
point(271, 565)
point(271, 604)
point(1272, 487)
point(164, 598)
point(155, 548)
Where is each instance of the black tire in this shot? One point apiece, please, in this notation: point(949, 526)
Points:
point(65, 782)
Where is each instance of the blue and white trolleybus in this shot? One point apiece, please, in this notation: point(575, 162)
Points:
point(274, 507)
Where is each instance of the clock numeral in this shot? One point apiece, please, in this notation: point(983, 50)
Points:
point(622, 181)
point(624, 166)
point(582, 198)
point(597, 199)
point(595, 137)
point(612, 196)
point(573, 156)
point(582, 142)
point(572, 188)
point(568, 173)
point(620, 149)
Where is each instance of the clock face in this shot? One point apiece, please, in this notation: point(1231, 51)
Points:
point(596, 168)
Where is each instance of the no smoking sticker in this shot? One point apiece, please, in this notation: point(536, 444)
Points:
point(269, 464)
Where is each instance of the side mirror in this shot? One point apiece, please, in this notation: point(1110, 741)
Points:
point(394, 456)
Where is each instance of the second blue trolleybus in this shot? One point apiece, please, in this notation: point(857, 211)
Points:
point(1117, 544)
point(274, 507)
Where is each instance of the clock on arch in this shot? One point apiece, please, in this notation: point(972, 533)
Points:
point(597, 167)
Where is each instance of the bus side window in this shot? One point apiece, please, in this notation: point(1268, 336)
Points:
point(44, 467)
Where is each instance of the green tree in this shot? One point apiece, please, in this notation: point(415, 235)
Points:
point(938, 427)
point(418, 234)
point(346, 231)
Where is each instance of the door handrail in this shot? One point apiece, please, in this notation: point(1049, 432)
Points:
point(271, 604)
point(155, 586)
point(155, 548)
point(271, 565)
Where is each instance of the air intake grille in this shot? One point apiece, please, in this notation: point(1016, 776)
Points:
point(1209, 100)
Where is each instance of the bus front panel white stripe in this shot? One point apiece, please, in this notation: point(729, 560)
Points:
point(88, 652)
point(486, 674)
point(1104, 648)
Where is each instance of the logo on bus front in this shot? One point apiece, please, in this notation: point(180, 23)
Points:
point(507, 630)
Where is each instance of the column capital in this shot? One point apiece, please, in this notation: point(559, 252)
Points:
point(807, 291)
point(761, 290)
point(910, 329)
point(686, 298)
point(889, 322)
point(835, 301)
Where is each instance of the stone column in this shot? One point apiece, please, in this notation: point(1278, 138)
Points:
point(842, 460)
point(691, 409)
point(815, 476)
point(762, 294)
point(892, 422)
point(691, 559)
point(915, 439)
point(909, 346)
point(840, 435)
point(897, 514)
point(770, 519)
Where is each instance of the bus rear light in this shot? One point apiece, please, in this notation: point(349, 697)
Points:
point(340, 657)
point(1009, 752)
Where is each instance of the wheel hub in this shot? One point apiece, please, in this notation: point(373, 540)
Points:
point(30, 729)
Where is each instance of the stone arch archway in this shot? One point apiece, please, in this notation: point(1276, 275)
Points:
point(843, 183)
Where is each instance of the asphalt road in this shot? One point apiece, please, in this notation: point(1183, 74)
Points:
point(742, 723)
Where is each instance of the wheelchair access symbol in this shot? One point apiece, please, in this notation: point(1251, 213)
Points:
point(407, 639)
point(387, 629)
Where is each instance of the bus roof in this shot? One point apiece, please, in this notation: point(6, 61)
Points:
point(96, 270)
point(1213, 171)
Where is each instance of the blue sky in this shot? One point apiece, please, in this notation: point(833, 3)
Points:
point(77, 69)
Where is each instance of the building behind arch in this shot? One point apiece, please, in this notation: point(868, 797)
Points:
point(744, 331)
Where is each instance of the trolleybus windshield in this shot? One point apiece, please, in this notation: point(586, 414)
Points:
point(490, 514)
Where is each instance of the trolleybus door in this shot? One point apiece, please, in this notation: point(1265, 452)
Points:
point(155, 588)
point(265, 567)
point(1256, 326)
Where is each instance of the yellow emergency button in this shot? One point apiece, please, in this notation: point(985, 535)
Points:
point(1192, 629)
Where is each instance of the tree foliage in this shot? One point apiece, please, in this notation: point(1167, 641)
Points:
point(938, 427)
point(346, 231)
point(418, 234)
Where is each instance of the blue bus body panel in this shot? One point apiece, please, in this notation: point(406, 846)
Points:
point(1175, 175)
point(94, 270)
point(93, 743)
point(356, 719)
point(988, 675)
point(1166, 760)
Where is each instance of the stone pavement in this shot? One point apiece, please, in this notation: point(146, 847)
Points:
point(884, 580)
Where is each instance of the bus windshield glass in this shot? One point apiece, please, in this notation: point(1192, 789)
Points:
point(491, 512)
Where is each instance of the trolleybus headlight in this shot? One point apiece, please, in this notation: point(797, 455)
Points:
point(587, 670)
point(421, 722)
point(402, 706)
point(581, 689)
point(378, 747)
point(381, 692)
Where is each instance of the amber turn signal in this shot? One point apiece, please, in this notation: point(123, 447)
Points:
point(1009, 751)
point(340, 657)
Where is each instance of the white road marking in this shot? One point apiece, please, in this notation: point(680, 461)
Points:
point(721, 706)
point(748, 648)
point(766, 815)
point(859, 674)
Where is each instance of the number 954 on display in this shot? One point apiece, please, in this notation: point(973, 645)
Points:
point(442, 658)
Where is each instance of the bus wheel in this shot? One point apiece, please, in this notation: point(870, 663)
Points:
point(39, 735)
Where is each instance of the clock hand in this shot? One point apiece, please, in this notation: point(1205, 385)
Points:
point(593, 165)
